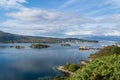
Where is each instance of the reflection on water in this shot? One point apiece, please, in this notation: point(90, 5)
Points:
point(33, 64)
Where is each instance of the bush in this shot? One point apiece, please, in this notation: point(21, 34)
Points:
point(58, 78)
point(66, 66)
point(73, 67)
point(115, 50)
point(102, 68)
point(109, 50)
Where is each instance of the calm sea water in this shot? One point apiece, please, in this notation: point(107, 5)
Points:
point(33, 64)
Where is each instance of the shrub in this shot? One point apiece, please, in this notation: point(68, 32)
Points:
point(102, 68)
point(115, 50)
point(58, 78)
point(109, 50)
point(73, 67)
point(66, 66)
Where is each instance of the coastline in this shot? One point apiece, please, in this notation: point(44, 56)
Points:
point(63, 70)
point(103, 56)
point(66, 71)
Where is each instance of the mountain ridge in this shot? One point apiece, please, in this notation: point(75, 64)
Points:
point(107, 38)
point(6, 37)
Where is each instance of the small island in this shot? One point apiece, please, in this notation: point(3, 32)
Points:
point(65, 44)
point(39, 46)
point(17, 47)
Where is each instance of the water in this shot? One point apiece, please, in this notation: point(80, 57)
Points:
point(33, 64)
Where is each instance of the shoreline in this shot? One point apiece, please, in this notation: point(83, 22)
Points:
point(66, 71)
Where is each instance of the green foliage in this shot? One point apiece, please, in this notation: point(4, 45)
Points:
point(58, 78)
point(115, 50)
point(66, 66)
point(17, 47)
point(39, 46)
point(102, 68)
point(109, 50)
point(73, 67)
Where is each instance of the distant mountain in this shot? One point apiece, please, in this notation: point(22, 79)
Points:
point(13, 38)
point(109, 38)
point(7, 36)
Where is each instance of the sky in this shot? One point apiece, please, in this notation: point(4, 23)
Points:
point(60, 18)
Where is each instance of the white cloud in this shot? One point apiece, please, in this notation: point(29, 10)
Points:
point(72, 33)
point(115, 18)
point(44, 22)
point(27, 14)
point(39, 22)
point(114, 3)
point(68, 3)
point(65, 25)
point(96, 8)
point(12, 3)
point(113, 33)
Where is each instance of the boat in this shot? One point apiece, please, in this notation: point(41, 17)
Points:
point(84, 48)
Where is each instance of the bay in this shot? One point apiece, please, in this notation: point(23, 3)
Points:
point(34, 64)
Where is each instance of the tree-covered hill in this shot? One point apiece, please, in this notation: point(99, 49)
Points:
point(13, 38)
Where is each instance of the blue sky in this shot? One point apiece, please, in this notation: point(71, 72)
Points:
point(60, 18)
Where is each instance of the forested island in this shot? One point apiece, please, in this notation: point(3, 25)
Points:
point(66, 44)
point(103, 65)
point(17, 47)
point(39, 46)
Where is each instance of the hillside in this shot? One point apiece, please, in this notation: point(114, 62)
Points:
point(104, 66)
point(13, 38)
point(101, 68)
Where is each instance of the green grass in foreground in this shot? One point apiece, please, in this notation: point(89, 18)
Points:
point(109, 50)
point(105, 66)
point(102, 68)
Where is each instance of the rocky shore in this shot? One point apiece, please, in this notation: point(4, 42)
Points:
point(62, 69)
point(82, 63)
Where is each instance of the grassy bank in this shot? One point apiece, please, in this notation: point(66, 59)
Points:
point(105, 65)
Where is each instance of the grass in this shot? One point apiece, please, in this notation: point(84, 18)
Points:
point(105, 66)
